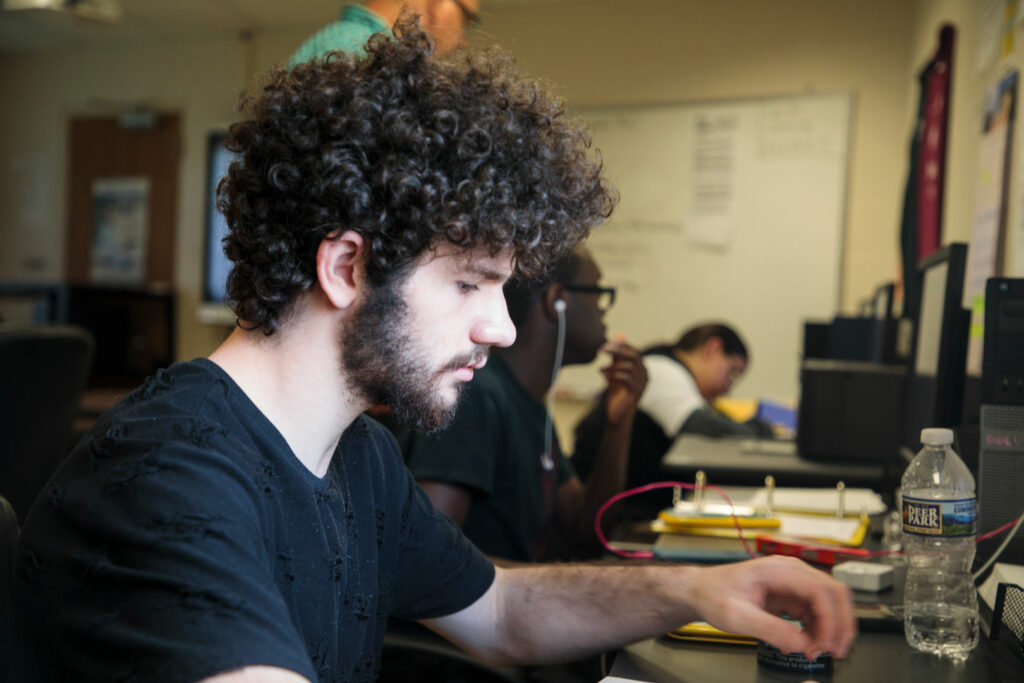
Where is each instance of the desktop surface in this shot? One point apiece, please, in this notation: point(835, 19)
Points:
point(876, 656)
point(747, 461)
point(880, 653)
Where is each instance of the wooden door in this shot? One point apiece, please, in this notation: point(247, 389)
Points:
point(99, 147)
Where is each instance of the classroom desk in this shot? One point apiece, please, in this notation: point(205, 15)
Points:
point(876, 657)
point(745, 462)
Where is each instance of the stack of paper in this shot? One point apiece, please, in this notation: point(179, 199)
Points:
point(801, 500)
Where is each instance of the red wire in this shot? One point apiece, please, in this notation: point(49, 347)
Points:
point(994, 532)
point(651, 487)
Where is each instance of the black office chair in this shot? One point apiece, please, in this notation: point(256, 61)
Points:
point(43, 370)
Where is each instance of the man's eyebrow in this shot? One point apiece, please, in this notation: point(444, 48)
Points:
point(487, 273)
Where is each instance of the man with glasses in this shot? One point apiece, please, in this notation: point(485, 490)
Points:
point(497, 471)
point(445, 20)
point(685, 379)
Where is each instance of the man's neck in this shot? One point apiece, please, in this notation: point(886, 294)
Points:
point(294, 378)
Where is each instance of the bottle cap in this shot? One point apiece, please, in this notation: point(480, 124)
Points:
point(938, 436)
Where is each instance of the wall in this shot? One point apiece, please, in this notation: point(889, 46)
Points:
point(49, 90)
point(599, 52)
point(655, 51)
point(972, 78)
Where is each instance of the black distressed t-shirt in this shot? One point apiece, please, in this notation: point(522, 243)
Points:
point(182, 538)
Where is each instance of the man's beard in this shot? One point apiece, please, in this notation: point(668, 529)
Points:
point(384, 365)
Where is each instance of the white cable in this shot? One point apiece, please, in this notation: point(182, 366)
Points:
point(1000, 549)
point(546, 461)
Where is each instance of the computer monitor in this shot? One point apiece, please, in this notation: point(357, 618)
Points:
point(938, 363)
point(213, 306)
point(1001, 423)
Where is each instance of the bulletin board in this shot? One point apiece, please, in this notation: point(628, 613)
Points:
point(730, 210)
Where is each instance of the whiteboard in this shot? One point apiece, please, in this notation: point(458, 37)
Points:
point(729, 211)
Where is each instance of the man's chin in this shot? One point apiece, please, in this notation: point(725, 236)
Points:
point(432, 421)
point(434, 415)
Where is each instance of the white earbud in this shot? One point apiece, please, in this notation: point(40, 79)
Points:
point(560, 305)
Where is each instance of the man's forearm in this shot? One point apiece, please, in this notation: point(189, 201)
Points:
point(565, 612)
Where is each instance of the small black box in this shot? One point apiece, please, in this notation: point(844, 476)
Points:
point(851, 411)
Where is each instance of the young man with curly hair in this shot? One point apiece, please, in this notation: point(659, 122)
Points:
point(238, 519)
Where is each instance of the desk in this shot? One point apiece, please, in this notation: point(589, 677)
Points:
point(734, 461)
point(876, 657)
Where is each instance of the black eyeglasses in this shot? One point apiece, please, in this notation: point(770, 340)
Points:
point(470, 16)
point(605, 295)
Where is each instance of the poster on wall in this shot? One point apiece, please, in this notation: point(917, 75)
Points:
point(712, 214)
point(988, 234)
point(120, 228)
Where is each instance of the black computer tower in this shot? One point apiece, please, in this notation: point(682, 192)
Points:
point(851, 411)
point(1001, 446)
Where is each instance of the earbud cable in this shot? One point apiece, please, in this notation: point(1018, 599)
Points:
point(546, 461)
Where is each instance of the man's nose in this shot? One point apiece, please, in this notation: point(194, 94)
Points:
point(494, 328)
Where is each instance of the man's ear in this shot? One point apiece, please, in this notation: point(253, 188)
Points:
point(339, 267)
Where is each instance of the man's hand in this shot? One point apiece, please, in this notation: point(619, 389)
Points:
point(626, 378)
point(746, 597)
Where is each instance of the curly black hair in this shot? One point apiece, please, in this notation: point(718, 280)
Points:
point(409, 151)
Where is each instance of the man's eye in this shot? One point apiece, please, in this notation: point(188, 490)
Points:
point(467, 287)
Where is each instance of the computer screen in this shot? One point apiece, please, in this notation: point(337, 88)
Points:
point(930, 319)
point(938, 365)
point(213, 307)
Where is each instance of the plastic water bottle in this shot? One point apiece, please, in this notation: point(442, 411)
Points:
point(940, 605)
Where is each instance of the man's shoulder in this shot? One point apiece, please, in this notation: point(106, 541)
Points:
point(181, 411)
point(194, 391)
